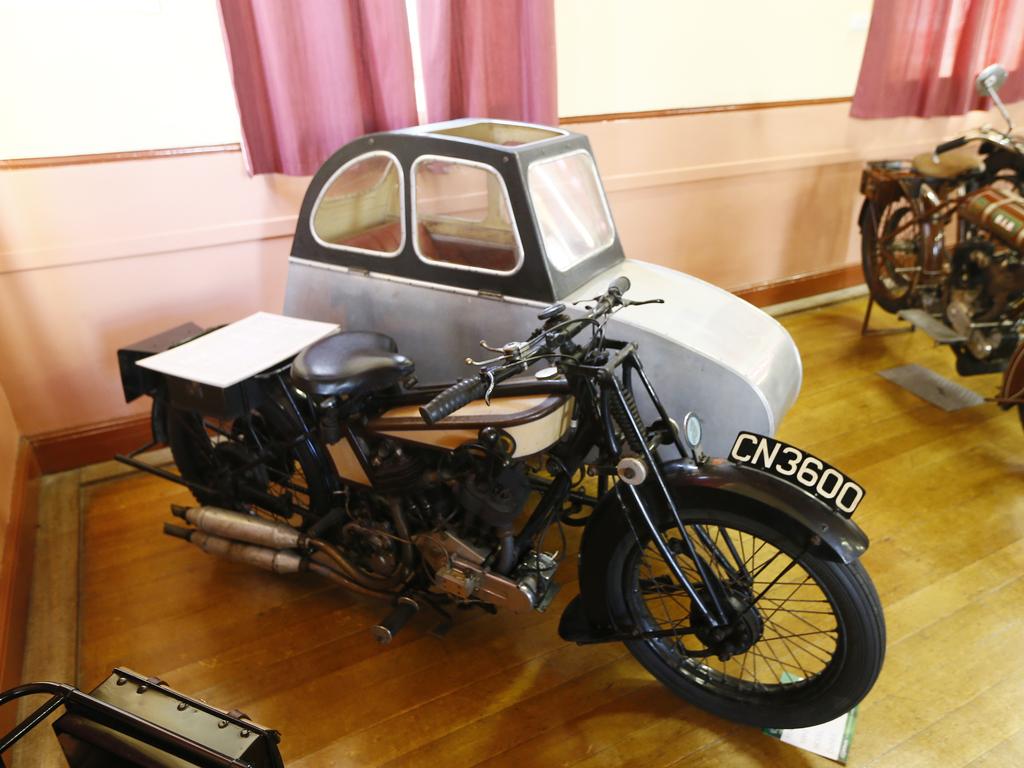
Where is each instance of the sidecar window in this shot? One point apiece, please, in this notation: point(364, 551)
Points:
point(571, 208)
point(503, 134)
point(360, 207)
point(462, 216)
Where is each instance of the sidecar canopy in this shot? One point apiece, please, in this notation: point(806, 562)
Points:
point(510, 208)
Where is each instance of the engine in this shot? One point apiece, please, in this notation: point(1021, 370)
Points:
point(473, 558)
point(986, 296)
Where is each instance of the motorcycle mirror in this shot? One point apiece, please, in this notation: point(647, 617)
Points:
point(990, 79)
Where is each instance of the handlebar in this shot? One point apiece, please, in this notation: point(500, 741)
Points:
point(466, 391)
point(450, 400)
point(1007, 141)
point(619, 286)
point(948, 146)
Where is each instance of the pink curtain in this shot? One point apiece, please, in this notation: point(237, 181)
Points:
point(922, 56)
point(489, 58)
point(312, 75)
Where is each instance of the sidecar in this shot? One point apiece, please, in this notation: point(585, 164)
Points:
point(447, 234)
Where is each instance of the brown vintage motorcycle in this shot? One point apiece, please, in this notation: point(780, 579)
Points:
point(942, 238)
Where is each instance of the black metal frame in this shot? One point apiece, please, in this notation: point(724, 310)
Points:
point(74, 700)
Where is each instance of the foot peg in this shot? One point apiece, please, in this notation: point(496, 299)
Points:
point(398, 618)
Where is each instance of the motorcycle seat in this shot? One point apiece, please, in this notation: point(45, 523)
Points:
point(349, 364)
point(956, 162)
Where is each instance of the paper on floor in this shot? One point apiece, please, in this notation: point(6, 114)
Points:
point(831, 739)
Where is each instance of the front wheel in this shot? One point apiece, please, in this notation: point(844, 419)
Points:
point(806, 637)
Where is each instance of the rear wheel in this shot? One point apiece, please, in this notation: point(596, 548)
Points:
point(256, 463)
point(806, 636)
point(891, 252)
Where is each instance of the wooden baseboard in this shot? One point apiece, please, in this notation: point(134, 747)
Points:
point(802, 286)
point(71, 448)
point(17, 540)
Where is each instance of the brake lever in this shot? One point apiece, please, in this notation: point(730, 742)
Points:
point(490, 386)
point(629, 303)
point(471, 361)
point(509, 352)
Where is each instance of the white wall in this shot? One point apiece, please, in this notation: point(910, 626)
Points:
point(82, 77)
point(616, 56)
point(120, 75)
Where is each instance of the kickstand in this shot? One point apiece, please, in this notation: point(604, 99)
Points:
point(446, 623)
point(866, 331)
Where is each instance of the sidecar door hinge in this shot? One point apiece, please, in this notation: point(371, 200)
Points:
point(490, 295)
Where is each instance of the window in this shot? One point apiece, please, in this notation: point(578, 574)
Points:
point(113, 76)
point(502, 134)
point(463, 218)
point(575, 223)
point(360, 208)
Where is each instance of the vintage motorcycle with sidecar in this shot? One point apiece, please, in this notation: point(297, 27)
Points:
point(942, 239)
point(725, 560)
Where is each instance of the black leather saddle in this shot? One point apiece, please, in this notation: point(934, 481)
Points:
point(349, 364)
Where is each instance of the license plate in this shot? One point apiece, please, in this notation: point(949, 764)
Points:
point(798, 468)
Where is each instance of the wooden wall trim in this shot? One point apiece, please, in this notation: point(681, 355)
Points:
point(79, 446)
point(802, 286)
point(18, 546)
point(575, 119)
point(157, 243)
point(150, 154)
point(114, 157)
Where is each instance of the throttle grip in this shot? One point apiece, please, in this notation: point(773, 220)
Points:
point(619, 286)
point(946, 146)
point(450, 400)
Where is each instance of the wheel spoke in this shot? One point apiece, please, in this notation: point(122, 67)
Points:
point(793, 632)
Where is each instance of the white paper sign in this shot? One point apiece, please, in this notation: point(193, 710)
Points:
point(237, 351)
point(831, 739)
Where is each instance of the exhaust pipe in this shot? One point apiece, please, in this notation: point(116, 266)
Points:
point(266, 544)
point(276, 560)
point(239, 527)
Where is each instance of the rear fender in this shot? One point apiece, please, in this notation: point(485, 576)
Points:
point(720, 484)
point(136, 380)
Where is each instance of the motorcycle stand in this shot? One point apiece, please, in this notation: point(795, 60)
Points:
point(866, 331)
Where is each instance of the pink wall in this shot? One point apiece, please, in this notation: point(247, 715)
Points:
point(752, 196)
point(96, 256)
point(9, 439)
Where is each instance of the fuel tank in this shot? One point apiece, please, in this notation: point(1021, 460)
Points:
point(997, 212)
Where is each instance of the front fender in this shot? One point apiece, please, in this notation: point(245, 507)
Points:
point(778, 499)
point(714, 483)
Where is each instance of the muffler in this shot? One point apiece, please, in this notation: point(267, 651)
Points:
point(268, 545)
point(240, 527)
point(276, 560)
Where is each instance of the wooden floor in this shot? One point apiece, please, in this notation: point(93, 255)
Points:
point(944, 510)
